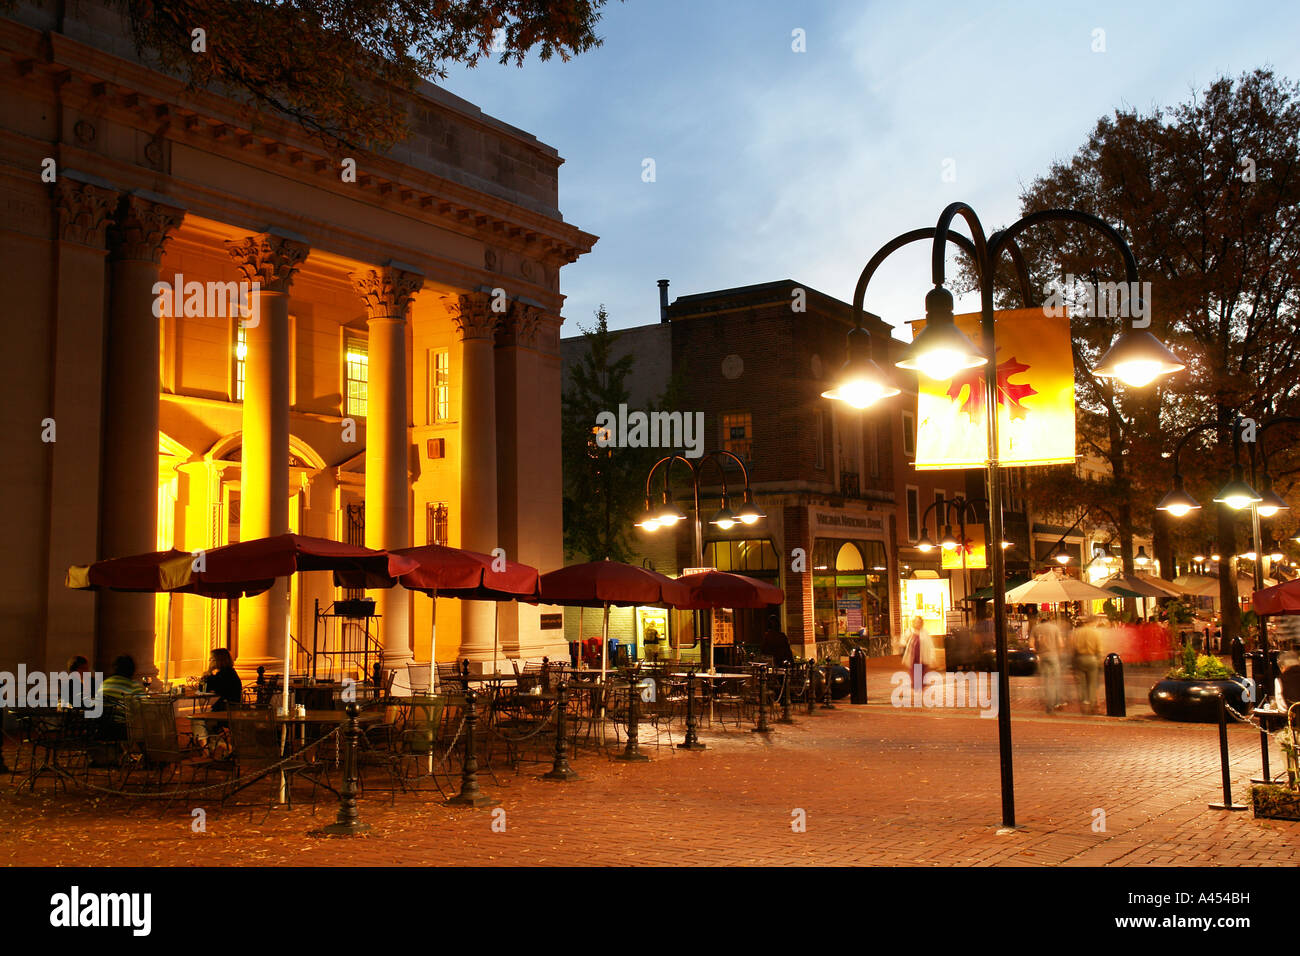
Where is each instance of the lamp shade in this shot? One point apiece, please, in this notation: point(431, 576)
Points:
point(925, 544)
point(941, 350)
point(1137, 358)
point(749, 513)
point(861, 381)
point(1178, 502)
point(1236, 494)
point(1270, 502)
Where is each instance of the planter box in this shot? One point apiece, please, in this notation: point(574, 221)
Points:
point(1274, 802)
point(1196, 701)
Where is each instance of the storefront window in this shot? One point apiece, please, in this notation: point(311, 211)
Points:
point(850, 589)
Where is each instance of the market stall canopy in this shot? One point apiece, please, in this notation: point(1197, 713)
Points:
point(158, 572)
point(1169, 587)
point(1052, 588)
point(1282, 598)
point(454, 573)
point(722, 589)
point(1130, 585)
point(1202, 585)
point(598, 583)
point(285, 554)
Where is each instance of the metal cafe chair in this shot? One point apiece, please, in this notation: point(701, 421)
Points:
point(255, 739)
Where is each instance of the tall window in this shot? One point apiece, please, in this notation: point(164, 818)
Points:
point(913, 514)
point(909, 434)
point(241, 354)
point(440, 386)
point(436, 516)
point(356, 374)
point(738, 434)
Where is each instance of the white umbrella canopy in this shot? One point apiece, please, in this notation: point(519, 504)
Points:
point(1052, 588)
point(1203, 585)
point(1169, 587)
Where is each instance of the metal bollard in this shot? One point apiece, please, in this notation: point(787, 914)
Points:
point(809, 696)
point(692, 741)
point(470, 795)
point(348, 822)
point(1227, 803)
point(633, 749)
point(830, 674)
point(786, 673)
point(1113, 668)
point(762, 726)
point(1239, 655)
point(560, 769)
point(858, 676)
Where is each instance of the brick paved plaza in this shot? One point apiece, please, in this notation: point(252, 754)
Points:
point(877, 785)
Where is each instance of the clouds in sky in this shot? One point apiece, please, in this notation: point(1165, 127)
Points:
point(773, 164)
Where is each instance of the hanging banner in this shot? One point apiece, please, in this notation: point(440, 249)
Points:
point(976, 556)
point(1035, 397)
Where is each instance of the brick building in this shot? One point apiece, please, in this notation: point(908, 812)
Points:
point(833, 481)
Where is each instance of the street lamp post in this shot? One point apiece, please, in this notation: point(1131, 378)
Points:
point(962, 505)
point(668, 514)
point(1136, 358)
point(1237, 494)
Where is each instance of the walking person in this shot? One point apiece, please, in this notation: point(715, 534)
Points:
point(1046, 636)
point(1087, 662)
point(916, 651)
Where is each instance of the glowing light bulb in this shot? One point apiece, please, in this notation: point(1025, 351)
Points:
point(1138, 373)
point(1179, 511)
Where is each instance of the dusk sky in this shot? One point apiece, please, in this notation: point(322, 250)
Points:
point(773, 164)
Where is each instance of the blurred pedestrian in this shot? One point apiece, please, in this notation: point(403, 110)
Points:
point(1087, 662)
point(916, 651)
point(1046, 638)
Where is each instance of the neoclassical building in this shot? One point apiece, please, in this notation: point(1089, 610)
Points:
point(392, 378)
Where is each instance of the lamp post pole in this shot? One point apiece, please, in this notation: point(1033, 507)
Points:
point(1136, 357)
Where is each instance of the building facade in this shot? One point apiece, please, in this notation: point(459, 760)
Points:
point(227, 336)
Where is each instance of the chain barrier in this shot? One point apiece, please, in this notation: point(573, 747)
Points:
point(174, 794)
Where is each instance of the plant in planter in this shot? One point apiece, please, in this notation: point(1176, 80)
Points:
point(1275, 801)
point(1190, 692)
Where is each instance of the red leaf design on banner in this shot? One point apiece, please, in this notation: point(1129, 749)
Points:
point(1009, 393)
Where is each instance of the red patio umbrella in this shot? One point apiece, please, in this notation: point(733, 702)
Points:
point(282, 555)
point(602, 583)
point(158, 572)
point(443, 571)
point(717, 589)
point(1281, 598)
point(714, 589)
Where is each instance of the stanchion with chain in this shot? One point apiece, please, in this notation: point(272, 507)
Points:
point(349, 820)
point(560, 769)
point(633, 750)
point(810, 667)
point(470, 795)
point(692, 741)
point(762, 727)
point(830, 672)
point(1227, 803)
point(785, 717)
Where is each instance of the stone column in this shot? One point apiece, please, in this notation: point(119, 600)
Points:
point(477, 323)
point(529, 492)
point(387, 294)
point(129, 512)
point(270, 260)
point(84, 211)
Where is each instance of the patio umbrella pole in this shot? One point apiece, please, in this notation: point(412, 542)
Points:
point(433, 640)
point(604, 658)
point(167, 659)
point(288, 652)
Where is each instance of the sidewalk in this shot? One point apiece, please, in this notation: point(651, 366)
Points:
point(874, 785)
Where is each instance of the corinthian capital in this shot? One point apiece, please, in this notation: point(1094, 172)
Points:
point(143, 227)
point(85, 211)
point(268, 258)
point(473, 314)
point(523, 324)
point(387, 291)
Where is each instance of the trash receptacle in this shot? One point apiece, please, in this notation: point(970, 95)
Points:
point(858, 675)
point(1114, 677)
point(1239, 656)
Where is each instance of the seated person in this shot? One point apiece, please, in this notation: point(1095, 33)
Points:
point(116, 690)
point(222, 680)
point(775, 644)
